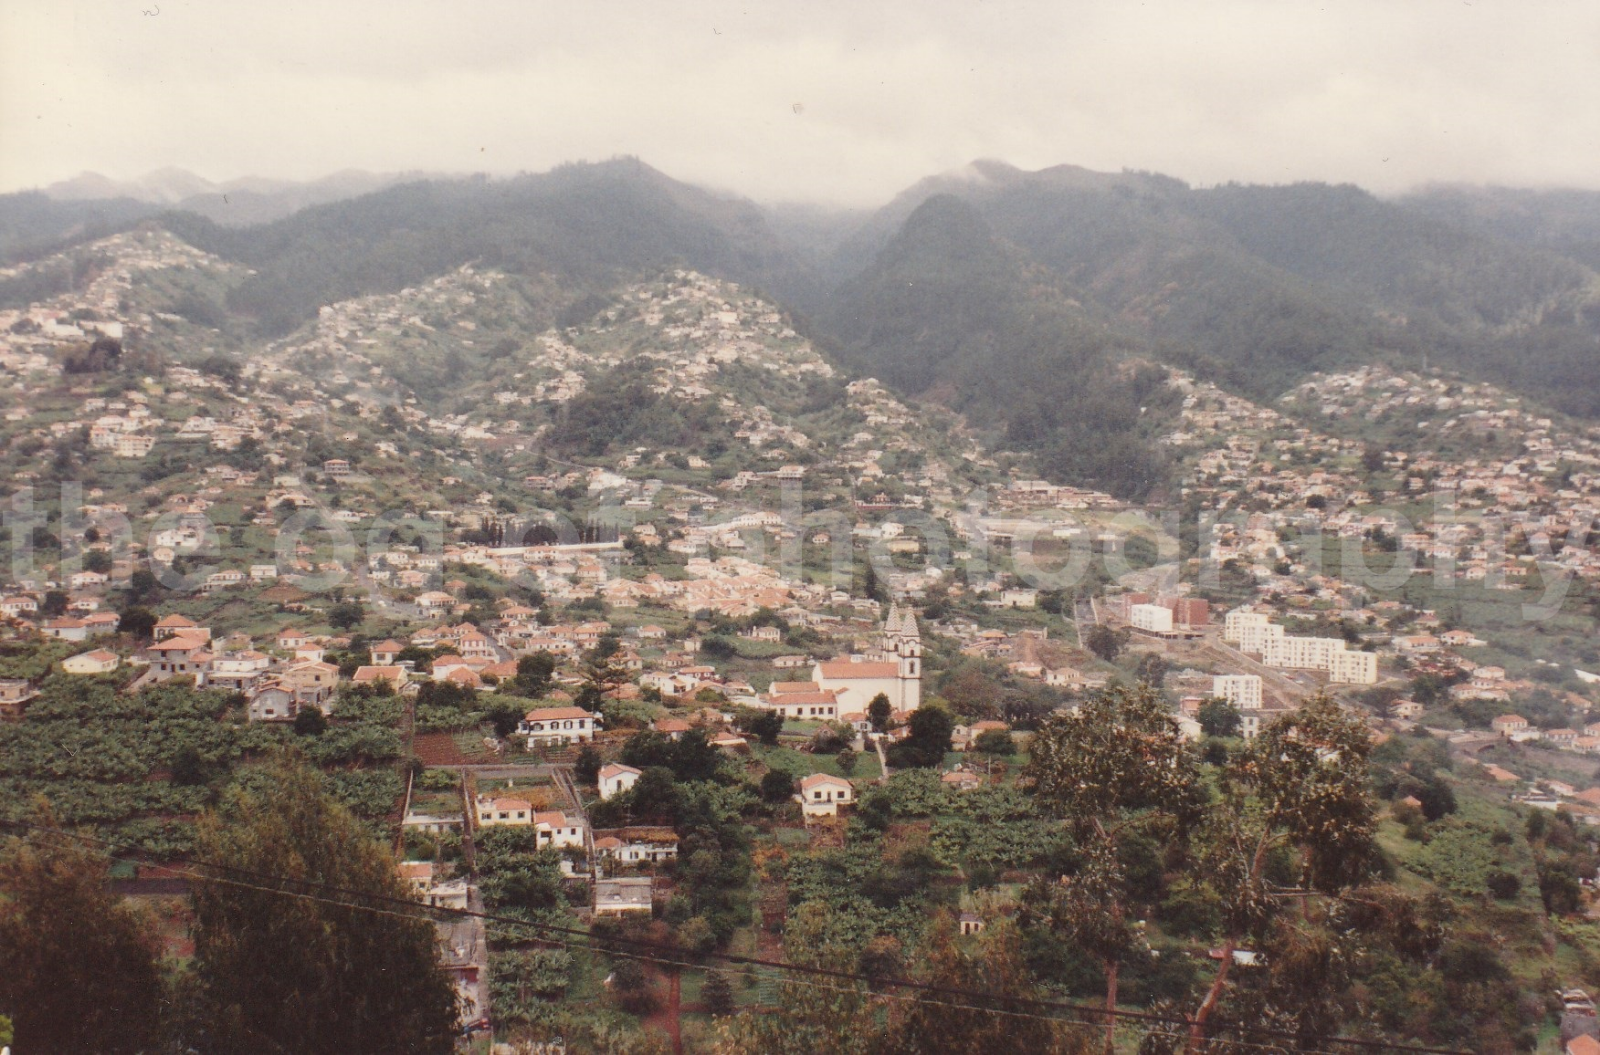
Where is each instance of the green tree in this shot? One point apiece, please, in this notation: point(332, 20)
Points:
point(1300, 787)
point(997, 742)
point(1218, 717)
point(846, 758)
point(928, 739)
point(346, 614)
point(310, 974)
point(601, 671)
point(78, 967)
point(765, 726)
point(138, 622)
point(879, 711)
point(776, 786)
point(1105, 642)
point(310, 722)
point(535, 672)
point(998, 1020)
point(1152, 667)
point(587, 766)
point(717, 994)
point(1117, 768)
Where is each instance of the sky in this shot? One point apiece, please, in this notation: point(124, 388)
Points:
point(806, 100)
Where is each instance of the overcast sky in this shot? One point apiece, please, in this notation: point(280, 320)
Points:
point(802, 100)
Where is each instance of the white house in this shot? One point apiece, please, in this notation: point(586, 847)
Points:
point(556, 725)
point(492, 813)
point(821, 795)
point(97, 662)
point(616, 778)
point(556, 829)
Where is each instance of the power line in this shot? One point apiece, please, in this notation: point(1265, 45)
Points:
point(1099, 1013)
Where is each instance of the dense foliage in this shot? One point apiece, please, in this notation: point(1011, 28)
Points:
point(317, 974)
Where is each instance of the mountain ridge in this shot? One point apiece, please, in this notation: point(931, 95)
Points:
point(1025, 299)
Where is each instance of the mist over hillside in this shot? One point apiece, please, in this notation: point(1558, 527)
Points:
point(1027, 300)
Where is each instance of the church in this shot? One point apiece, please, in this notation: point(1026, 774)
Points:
point(893, 668)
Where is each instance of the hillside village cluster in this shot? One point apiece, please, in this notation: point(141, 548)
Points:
point(199, 473)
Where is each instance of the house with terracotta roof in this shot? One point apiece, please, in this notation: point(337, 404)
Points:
point(310, 683)
point(962, 780)
point(490, 813)
point(801, 701)
point(65, 628)
point(429, 889)
point(178, 654)
point(1582, 1044)
point(671, 728)
point(395, 676)
point(98, 661)
point(1510, 726)
point(290, 639)
point(616, 778)
point(175, 624)
point(821, 795)
point(502, 671)
point(560, 830)
point(386, 652)
point(271, 702)
point(964, 736)
point(551, 726)
point(102, 622)
point(463, 675)
point(638, 845)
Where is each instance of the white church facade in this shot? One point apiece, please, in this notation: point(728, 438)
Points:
point(894, 668)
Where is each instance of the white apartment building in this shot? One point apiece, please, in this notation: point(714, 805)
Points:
point(1251, 632)
point(1300, 653)
point(1353, 668)
point(1241, 690)
point(1236, 621)
point(1152, 617)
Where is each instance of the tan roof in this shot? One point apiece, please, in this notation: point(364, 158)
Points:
point(549, 714)
point(856, 671)
point(505, 804)
point(1583, 1044)
point(613, 769)
point(779, 687)
point(554, 818)
point(388, 645)
point(824, 696)
point(174, 620)
point(178, 643)
point(817, 779)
